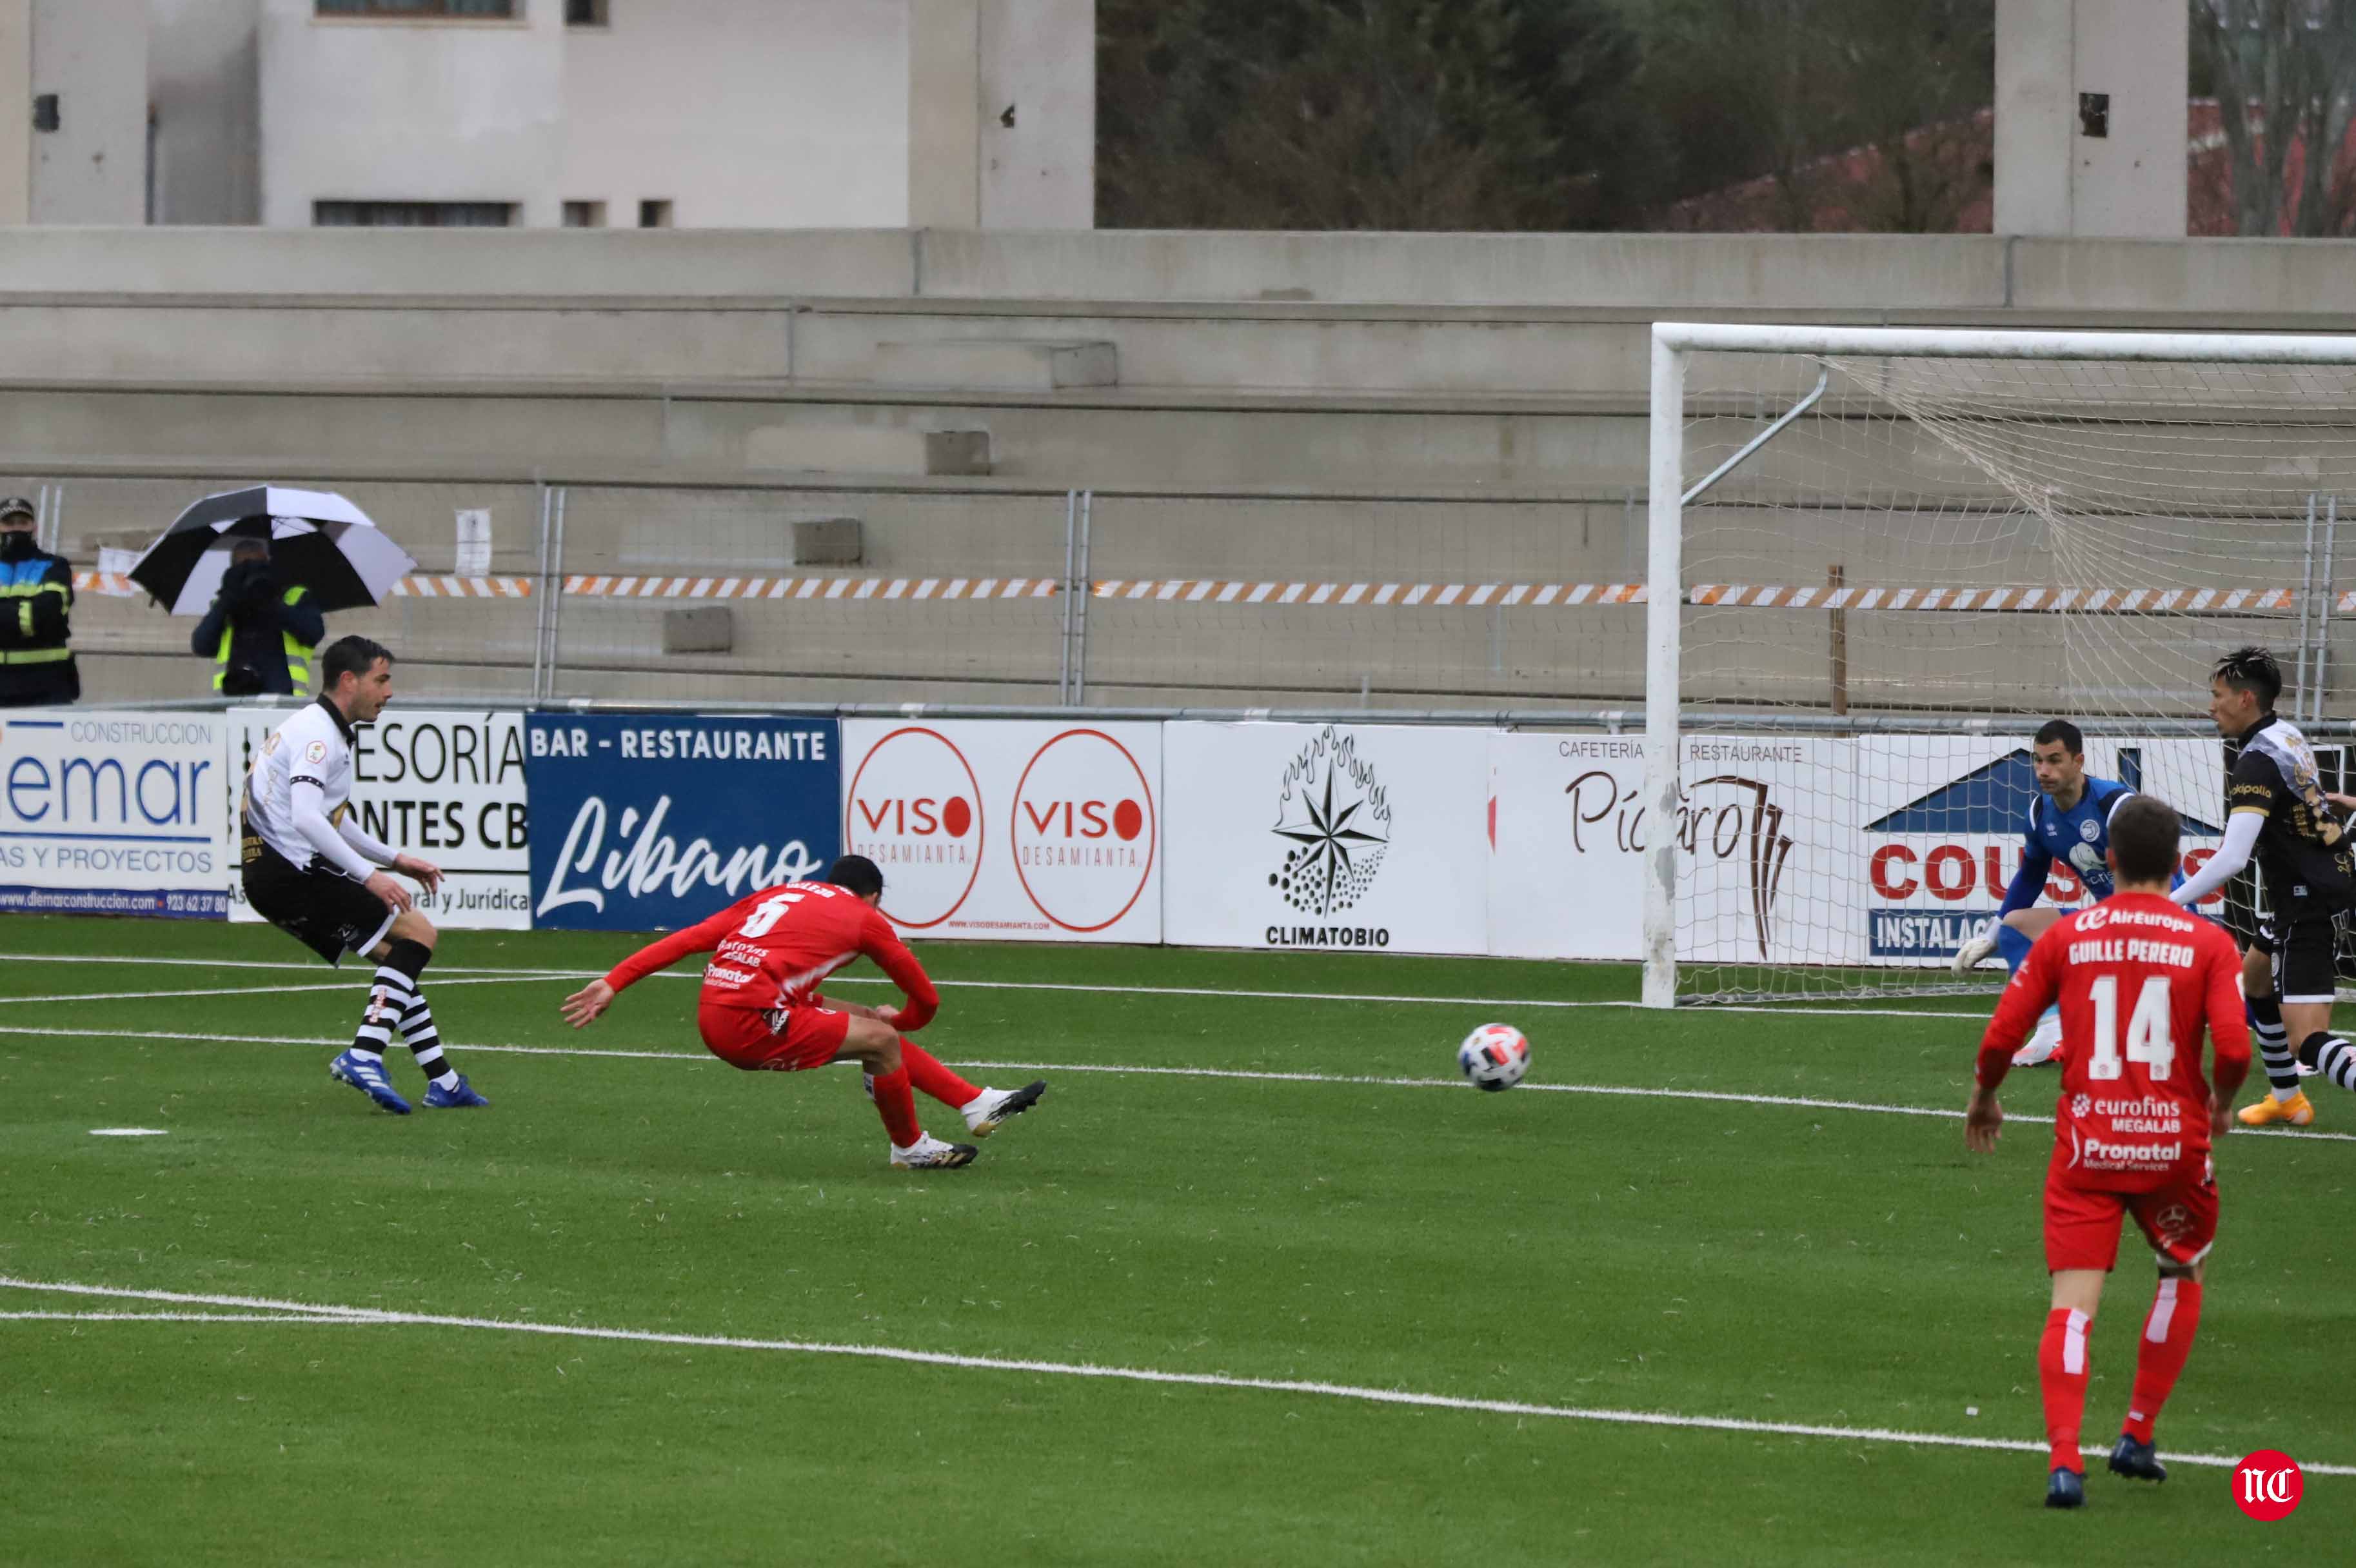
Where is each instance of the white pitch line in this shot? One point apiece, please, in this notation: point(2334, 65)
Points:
point(1347, 996)
point(1792, 1010)
point(174, 1317)
point(1351, 1391)
point(1632, 1091)
point(26, 958)
point(693, 1057)
point(353, 985)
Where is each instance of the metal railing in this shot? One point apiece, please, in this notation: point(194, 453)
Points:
point(995, 600)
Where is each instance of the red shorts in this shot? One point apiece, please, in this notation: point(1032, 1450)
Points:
point(2082, 1223)
point(785, 1039)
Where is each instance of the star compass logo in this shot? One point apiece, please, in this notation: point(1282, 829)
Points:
point(1336, 821)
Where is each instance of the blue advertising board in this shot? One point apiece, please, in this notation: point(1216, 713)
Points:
point(647, 823)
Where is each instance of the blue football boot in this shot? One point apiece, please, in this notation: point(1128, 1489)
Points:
point(367, 1077)
point(2065, 1489)
point(461, 1097)
point(2138, 1461)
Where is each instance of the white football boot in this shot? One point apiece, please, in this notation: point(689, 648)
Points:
point(993, 1108)
point(2043, 1043)
point(930, 1153)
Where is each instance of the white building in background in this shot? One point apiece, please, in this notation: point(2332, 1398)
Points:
point(694, 113)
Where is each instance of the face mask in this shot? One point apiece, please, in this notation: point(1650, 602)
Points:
point(17, 544)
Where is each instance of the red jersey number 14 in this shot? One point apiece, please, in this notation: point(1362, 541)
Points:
point(2149, 1041)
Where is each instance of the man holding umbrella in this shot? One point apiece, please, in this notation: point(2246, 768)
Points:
point(258, 634)
point(36, 601)
point(312, 540)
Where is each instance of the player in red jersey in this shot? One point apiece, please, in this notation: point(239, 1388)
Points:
point(761, 1008)
point(2138, 978)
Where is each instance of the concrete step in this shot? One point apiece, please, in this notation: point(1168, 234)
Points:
point(1023, 364)
point(854, 449)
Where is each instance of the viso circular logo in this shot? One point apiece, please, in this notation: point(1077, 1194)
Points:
point(1083, 830)
point(915, 811)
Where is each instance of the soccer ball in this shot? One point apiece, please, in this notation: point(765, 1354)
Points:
point(1495, 1055)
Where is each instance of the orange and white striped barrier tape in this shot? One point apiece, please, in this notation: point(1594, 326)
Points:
point(1388, 596)
point(115, 584)
point(461, 588)
point(811, 587)
point(2085, 601)
point(1404, 595)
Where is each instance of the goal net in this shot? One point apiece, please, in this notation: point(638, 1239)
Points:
point(1895, 554)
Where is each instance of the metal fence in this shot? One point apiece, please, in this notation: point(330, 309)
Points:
point(999, 596)
point(982, 595)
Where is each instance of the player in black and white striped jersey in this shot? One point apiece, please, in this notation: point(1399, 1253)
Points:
point(310, 869)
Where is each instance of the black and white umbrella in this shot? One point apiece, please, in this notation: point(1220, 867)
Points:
point(319, 540)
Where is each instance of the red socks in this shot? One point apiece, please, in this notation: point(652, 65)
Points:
point(2061, 1376)
point(919, 1069)
point(2159, 1355)
point(898, 1108)
point(926, 1073)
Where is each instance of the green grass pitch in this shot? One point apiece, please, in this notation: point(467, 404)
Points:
point(1691, 1257)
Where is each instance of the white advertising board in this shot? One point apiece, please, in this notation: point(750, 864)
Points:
point(1876, 849)
point(444, 785)
point(1565, 830)
point(1326, 836)
point(1018, 830)
point(111, 813)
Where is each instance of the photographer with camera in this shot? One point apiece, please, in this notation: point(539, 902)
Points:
point(259, 636)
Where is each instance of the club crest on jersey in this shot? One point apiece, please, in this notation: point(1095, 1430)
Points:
point(315, 752)
point(2090, 829)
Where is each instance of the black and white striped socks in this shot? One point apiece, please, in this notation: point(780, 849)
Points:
point(396, 1000)
point(2332, 1057)
point(2274, 1046)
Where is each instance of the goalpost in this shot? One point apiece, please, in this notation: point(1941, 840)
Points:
point(1880, 558)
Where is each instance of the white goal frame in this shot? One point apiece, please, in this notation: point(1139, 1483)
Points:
point(1674, 343)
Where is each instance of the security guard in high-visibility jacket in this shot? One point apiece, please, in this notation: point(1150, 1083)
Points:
point(258, 634)
point(35, 605)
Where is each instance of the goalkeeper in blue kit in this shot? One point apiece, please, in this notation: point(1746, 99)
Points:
point(2069, 822)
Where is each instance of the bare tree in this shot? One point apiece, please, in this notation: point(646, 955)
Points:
point(1861, 114)
point(2286, 77)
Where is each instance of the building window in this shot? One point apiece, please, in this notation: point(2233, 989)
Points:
point(412, 214)
point(585, 215)
point(588, 14)
point(495, 8)
point(654, 214)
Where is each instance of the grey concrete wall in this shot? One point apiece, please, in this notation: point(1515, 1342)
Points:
point(204, 84)
point(93, 167)
point(1037, 103)
point(945, 114)
point(2052, 178)
point(17, 130)
point(1323, 408)
point(470, 264)
point(1849, 276)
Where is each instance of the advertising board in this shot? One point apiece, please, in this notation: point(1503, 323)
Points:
point(112, 813)
point(1326, 836)
point(1017, 830)
point(1872, 850)
point(650, 823)
point(444, 785)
